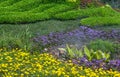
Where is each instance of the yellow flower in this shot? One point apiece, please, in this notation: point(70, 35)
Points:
point(93, 74)
point(60, 71)
point(8, 76)
point(26, 72)
point(82, 76)
point(66, 76)
point(37, 66)
point(9, 58)
point(46, 72)
point(86, 70)
point(18, 63)
point(4, 65)
point(101, 73)
point(22, 75)
point(104, 72)
point(74, 71)
point(35, 58)
point(117, 75)
point(80, 68)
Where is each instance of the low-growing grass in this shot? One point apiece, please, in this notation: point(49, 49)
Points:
point(19, 63)
point(101, 21)
point(20, 40)
point(18, 35)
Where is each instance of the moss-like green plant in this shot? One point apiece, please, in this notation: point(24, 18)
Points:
point(42, 7)
point(101, 21)
point(22, 5)
point(46, 11)
point(8, 3)
point(89, 12)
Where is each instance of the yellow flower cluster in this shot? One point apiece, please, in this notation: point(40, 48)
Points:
point(23, 64)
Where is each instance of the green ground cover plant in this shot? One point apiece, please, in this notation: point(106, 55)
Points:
point(100, 21)
point(23, 17)
point(57, 9)
point(8, 3)
point(90, 12)
point(16, 11)
point(2, 0)
point(33, 15)
point(92, 16)
point(42, 7)
point(22, 5)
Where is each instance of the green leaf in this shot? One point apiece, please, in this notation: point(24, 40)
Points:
point(62, 49)
point(93, 53)
point(87, 52)
point(107, 55)
point(99, 54)
point(70, 52)
point(79, 53)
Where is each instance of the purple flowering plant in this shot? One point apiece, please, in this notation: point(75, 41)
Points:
point(95, 64)
point(83, 33)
